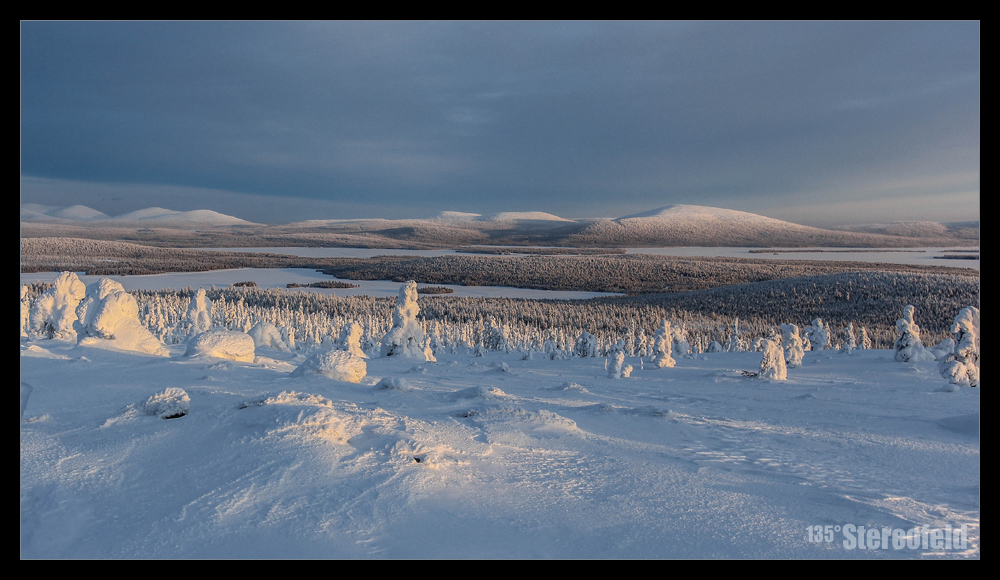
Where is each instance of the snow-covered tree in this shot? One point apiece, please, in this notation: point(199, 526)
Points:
point(792, 345)
point(616, 362)
point(406, 337)
point(662, 346)
point(109, 313)
point(772, 364)
point(53, 314)
point(586, 345)
point(818, 335)
point(962, 366)
point(850, 341)
point(350, 339)
point(199, 312)
point(864, 341)
point(25, 311)
point(908, 346)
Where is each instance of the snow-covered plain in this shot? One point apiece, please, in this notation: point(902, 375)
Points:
point(490, 457)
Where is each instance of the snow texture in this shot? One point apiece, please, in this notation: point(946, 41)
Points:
point(226, 344)
point(338, 365)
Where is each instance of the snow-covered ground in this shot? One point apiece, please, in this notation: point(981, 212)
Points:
point(492, 457)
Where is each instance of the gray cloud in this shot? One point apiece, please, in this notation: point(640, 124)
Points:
point(578, 118)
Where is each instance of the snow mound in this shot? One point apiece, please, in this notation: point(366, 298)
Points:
point(488, 393)
point(394, 384)
point(338, 365)
point(172, 403)
point(227, 344)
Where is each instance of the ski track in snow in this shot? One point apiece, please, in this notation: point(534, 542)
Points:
point(490, 457)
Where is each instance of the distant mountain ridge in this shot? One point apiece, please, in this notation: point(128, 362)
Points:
point(672, 225)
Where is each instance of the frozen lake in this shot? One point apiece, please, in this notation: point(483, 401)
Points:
point(279, 277)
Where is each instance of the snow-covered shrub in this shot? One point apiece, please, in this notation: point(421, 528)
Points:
point(908, 346)
point(864, 341)
point(792, 345)
point(662, 346)
point(199, 312)
point(227, 344)
point(25, 311)
point(265, 334)
point(735, 343)
point(818, 335)
point(772, 364)
point(850, 341)
point(350, 339)
point(616, 363)
point(961, 367)
point(172, 403)
point(406, 338)
point(338, 365)
point(586, 345)
point(54, 312)
point(681, 346)
point(108, 312)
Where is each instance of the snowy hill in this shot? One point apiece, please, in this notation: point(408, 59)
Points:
point(692, 225)
point(200, 216)
point(152, 215)
point(512, 216)
point(33, 211)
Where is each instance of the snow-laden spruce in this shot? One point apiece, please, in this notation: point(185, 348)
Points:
point(406, 337)
point(792, 345)
point(54, 312)
point(817, 335)
point(199, 312)
point(109, 313)
point(350, 339)
point(772, 364)
point(616, 362)
point(961, 367)
point(850, 341)
point(908, 346)
point(662, 346)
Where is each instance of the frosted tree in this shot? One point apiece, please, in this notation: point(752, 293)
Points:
point(792, 345)
point(864, 342)
point(108, 312)
point(199, 312)
point(616, 362)
point(586, 345)
point(908, 346)
point(818, 335)
point(735, 342)
point(54, 312)
point(350, 339)
point(772, 364)
point(961, 367)
point(681, 346)
point(25, 311)
point(850, 341)
point(662, 346)
point(406, 337)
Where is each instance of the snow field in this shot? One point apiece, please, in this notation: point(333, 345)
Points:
point(486, 457)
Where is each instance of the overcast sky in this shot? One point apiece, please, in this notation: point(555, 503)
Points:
point(821, 123)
